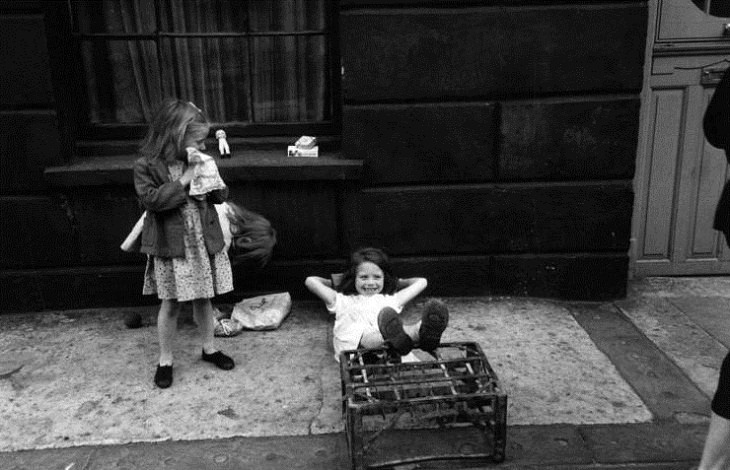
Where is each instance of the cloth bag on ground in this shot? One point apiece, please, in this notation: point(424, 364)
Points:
point(264, 312)
point(224, 325)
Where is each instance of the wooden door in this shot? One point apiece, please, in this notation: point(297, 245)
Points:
point(679, 176)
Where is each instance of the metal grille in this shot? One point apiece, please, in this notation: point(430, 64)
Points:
point(383, 396)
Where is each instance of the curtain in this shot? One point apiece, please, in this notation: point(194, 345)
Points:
point(288, 72)
point(257, 79)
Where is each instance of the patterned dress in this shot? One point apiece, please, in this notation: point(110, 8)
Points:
point(198, 275)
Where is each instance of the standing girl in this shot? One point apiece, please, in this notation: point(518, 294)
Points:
point(367, 303)
point(181, 235)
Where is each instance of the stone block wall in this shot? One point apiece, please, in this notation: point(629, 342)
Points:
point(498, 131)
point(497, 141)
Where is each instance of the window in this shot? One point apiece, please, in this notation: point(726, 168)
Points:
point(256, 67)
point(714, 7)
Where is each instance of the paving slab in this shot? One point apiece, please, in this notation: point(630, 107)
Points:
point(712, 314)
point(83, 378)
point(646, 442)
point(662, 385)
point(322, 452)
point(551, 369)
point(673, 287)
point(688, 319)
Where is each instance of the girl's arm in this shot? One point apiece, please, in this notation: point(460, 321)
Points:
point(322, 288)
point(157, 197)
point(410, 289)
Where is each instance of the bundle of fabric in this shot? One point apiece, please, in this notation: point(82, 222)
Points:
point(249, 237)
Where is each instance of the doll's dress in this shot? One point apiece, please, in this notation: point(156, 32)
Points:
point(198, 275)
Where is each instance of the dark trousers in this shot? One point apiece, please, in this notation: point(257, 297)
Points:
point(721, 401)
point(722, 214)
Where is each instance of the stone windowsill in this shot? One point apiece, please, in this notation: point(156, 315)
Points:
point(253, 165)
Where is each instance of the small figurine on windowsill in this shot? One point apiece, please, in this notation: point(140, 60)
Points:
point(223, 148)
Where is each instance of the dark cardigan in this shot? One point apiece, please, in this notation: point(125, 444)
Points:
point(717, 130)
point(163, 230)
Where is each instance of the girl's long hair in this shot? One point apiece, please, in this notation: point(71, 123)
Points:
point(172, 122)
point(375, 256)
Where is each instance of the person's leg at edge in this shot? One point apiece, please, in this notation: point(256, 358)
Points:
point(167, 329)
point(716, 452)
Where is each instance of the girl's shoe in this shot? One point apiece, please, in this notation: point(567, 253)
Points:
point(163, 376)
point(391, 327)
point(219, 359)
point(433, 323)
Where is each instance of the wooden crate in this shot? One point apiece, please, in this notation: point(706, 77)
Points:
point(450, 407)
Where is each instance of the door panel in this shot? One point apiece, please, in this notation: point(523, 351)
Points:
point(679, 177)
point(663, 161)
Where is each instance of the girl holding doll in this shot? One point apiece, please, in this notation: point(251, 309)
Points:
point(181, 234)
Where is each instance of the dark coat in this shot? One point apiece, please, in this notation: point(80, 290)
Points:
point(717, 130)
point(163, 230)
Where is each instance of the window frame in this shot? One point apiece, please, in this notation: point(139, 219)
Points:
point(72, 102)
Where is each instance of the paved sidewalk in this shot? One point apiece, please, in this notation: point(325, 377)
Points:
point(590, 385)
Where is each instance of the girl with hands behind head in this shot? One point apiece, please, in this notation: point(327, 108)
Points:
point(367, 304)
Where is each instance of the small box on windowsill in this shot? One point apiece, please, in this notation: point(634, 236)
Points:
point(294, 151)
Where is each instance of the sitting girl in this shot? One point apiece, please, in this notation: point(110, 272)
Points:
point(367, 303)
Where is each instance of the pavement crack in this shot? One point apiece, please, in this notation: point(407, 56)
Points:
point(320, 396)
point(8, 375)
point(88, 460)
point(321, 416)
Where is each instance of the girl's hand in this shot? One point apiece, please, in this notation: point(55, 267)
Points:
point(188, 176)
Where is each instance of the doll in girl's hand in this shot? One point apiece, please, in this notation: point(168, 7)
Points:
point(206, 177)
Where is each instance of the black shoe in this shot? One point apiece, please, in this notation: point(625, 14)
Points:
point(163, 376)
point(433, 323)
point(391, 327)
point(219, 359)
